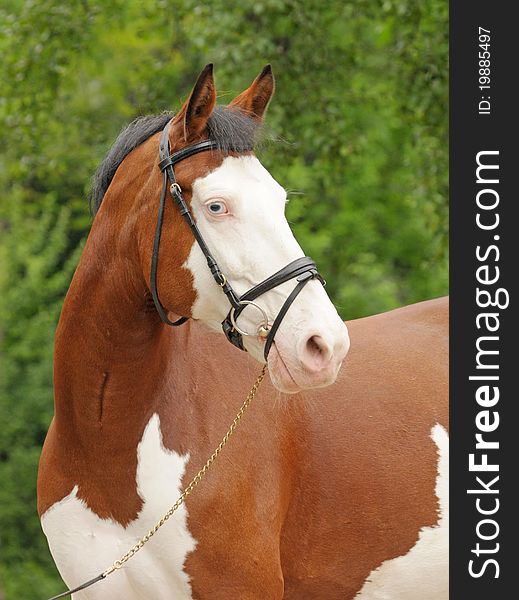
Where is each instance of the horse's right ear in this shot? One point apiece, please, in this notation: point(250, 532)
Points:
point(255, 99)
point(199, 106)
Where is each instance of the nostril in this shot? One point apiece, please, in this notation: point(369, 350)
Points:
point(313, 347)
point(317, 352)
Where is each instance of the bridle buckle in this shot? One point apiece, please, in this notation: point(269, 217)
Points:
point(175, 189)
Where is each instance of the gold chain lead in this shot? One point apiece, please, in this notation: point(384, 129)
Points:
point(194, 482)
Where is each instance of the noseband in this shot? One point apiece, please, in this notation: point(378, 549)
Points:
point(302, 269)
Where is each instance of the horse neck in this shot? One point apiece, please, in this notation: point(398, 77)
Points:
point(108, 337)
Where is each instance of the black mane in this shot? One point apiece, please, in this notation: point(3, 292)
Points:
point(231, 129)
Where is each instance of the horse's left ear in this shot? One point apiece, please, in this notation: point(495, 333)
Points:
point(256, 98)
point(199, 106)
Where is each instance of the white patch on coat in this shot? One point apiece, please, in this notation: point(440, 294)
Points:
point(251, 244)
point(422, 573)
point(83, 545)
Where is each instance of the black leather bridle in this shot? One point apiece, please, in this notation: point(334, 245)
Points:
point(303, 269)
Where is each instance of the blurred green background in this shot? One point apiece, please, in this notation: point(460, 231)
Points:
point(360, 118)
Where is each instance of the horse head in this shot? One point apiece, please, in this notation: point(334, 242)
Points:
point(237, 210)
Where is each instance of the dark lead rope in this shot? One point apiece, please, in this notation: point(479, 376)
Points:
point(83, 586)
point(303, 268)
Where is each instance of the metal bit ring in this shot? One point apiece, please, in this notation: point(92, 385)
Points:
point(263, 327)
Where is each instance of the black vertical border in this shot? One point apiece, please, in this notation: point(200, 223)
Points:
point(469, 134)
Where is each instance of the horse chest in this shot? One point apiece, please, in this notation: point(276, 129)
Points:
point(84, 545)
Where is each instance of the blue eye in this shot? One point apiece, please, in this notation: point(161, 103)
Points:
point(217, 208)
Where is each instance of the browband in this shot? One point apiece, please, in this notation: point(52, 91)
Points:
point(167, 160)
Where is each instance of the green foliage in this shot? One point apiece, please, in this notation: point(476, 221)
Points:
point(36, 268)
point(361, 106)
point(360, 123)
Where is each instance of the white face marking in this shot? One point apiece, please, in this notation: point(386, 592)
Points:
point(251, 239)
point(84, 545)
point(424, 571)
point(249, 243)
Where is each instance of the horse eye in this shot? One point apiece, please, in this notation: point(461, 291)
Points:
point(217, 208)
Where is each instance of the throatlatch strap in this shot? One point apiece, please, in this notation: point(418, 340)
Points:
point(166, 166)
point(155, 261)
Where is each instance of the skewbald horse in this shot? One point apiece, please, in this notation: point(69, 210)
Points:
point(335, 493)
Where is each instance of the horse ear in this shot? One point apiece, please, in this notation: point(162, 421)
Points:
point(199, 106)
point(256, 98)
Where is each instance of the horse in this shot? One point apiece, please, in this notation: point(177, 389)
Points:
point(338, 491)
